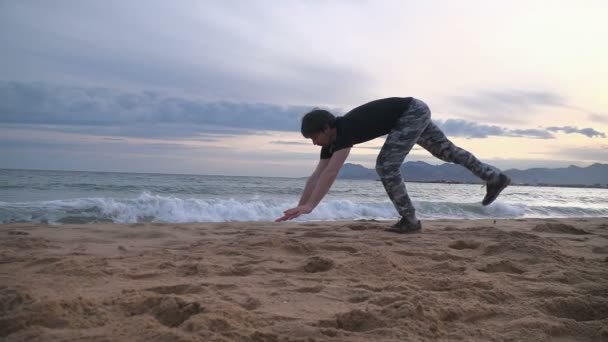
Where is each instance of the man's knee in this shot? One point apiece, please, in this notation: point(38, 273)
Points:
point(380, 162)
point(387, 171)
point(380, 172)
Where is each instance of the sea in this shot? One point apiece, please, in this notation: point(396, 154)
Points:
point(63, 197)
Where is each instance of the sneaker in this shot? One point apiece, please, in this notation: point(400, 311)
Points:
point(493, 189)
point(405, 226)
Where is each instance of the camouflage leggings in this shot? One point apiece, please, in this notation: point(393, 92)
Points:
point(415, 126)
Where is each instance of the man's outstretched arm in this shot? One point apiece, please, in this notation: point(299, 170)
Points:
point(311, 182)
point(326, 179)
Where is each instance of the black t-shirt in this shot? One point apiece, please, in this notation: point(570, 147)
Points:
point(366, 122)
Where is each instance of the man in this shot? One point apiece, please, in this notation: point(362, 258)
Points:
point(407, 121)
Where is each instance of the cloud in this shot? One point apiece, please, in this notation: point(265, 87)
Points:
point(468, 129)
point(510, 101)
point(589, 132)
point(514, 106)
point(218, 51)
point(109, 112)
point(529, 133)
point(458, 127)
point(106, 111)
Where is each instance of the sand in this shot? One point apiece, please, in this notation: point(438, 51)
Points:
point(504, 280)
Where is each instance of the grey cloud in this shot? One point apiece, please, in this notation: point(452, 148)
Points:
point(498, 106)
point(468, 129)
point(87, 145)
point(506, 106)
point(109, 112)
point(151, 150)
point(136, 130)
point(510, 101)
point(530, 133)
point(146, 114)
point(221, 52)
point(589, 132)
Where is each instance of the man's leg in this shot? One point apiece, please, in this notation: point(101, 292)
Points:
point(397, 145)
point(433, 140)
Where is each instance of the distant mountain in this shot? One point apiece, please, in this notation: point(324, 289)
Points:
point(593, 175)
point(356, 171)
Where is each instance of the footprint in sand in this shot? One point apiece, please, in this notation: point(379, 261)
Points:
point(145, 275)
point(12, 298)
point(321, 234)
point(355, 320)
point(318, 264)
point(177, 289)
point(365, 226)
point(43, 261)
point(461, 244)
point(339, 248)
point(558, 228)
point(578, 309)
point(30, 243)
point(310, 289)
point(16, 232)
point(296, 247)
point(189, 269)
point(169, 311)
point(251, 304)
point(503, 266)
point(386, 300)
point(52, 314)
point(358, 299)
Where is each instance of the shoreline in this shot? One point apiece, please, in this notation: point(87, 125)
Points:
point(481, 279)
point(27, 224)
point(581, 186)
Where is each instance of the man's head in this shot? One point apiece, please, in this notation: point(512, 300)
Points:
point(319, 125)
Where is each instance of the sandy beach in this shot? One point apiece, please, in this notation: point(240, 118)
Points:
point(504, 280)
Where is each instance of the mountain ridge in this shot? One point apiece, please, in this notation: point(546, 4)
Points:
point(418, 171)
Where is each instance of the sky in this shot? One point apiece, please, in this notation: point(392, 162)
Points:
point(219, 87)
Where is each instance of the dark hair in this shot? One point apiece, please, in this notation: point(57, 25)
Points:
point(316, 121)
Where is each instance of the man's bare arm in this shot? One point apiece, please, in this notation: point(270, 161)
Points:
point(321, 186)
point(311, 182)
point(327, 177)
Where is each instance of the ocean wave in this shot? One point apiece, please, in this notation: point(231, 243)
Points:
point(148, 207)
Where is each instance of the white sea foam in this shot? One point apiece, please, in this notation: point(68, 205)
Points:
point(149, 207)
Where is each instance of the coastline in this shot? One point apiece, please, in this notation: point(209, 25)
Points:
point(515, 279)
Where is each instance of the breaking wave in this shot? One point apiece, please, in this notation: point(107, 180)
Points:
point(148, 207)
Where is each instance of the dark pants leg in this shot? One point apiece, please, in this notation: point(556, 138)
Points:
point(398, 144)
point(415, 126)
point(434, 141)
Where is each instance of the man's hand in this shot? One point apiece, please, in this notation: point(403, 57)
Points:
point(295, 212)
